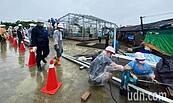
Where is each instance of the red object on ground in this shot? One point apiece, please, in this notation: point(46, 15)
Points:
point(52, 84)
point(32, 59)
point(15, 42)
point(22, 47)
point(11, 39)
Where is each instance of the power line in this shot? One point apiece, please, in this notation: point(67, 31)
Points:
point(157, 15)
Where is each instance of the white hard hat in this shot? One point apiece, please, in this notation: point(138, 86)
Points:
point(2, 25)
point(111, 49)
point(139, 55)
point(20, 25)
point(40, 20)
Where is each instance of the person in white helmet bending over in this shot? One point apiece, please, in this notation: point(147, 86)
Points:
point(140, 69)
point(136, 70)
point(98, 70)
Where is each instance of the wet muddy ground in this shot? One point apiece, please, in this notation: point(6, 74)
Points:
point(22, 84)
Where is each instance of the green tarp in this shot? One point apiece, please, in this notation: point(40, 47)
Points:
point(161, 39)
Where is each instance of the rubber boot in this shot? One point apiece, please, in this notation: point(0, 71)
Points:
point(55, 60)
point(58, 62)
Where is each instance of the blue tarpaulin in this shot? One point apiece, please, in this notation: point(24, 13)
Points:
point(149, 57)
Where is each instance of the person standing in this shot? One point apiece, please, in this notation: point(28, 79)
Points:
point(57, 38)
point(20, 34)
point(107, 38)
point(53, 23)
point(100, 35)
point(10, 31)
point(111, 33)
point(40, 42)
point(29, 31)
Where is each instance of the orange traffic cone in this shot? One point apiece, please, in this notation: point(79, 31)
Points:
point(11, 39)
point(32, 59)
point(15, 42)
point(52, 84)
point(22, 47)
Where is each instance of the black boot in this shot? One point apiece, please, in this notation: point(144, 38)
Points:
point(39, 68)
point(123, 91)
point(44, 61)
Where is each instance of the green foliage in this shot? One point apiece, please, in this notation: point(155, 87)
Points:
point(24, 23)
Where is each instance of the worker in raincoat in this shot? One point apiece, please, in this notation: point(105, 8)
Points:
point(98, 70)
point(58, 46)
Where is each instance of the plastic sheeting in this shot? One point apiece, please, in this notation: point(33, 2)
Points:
point(149, 57)
point(165, 70)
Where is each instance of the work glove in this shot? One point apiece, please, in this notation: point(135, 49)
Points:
point(34, 48)
point(134, 76)
point(120, 67)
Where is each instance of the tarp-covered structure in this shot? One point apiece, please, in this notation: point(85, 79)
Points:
point(160, 40)
point(122, 32)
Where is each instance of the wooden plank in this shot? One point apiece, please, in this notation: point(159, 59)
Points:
point(85, 96)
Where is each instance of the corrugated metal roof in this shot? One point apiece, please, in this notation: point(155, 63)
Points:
point(154, 25)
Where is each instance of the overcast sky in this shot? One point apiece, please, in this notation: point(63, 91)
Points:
point(121, 12)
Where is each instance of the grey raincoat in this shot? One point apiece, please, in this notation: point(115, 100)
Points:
point(57, 38)
point(98, 71)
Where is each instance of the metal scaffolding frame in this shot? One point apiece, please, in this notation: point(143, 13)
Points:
point(87, 25)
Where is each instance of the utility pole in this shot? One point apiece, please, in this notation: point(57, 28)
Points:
point(142, 28)
point(83, 29)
